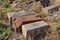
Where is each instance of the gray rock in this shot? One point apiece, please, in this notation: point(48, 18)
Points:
point(20, 13)
point(33, 29)
point(51, 8)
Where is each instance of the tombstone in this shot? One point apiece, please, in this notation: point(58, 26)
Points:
point(32, 31)
point(51, 9)
point(20, 13)
point(17, 21)
point(24, 20)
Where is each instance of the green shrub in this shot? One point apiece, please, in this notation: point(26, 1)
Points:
point(37, 15)
point(56, 26)
point(10, 9)
point(6, 5)
point(41, 15)
point(4, 31)
point(49, 14)
point(2, 14)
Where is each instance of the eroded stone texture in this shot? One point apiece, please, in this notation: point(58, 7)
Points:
point(20, 13)
point(35, 31)
point(17, 21)
point(52, 9)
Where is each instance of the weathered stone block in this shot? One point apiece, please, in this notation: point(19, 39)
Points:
point(17, 21)
point(51, 9)
point(20, 13)
point(31, 30)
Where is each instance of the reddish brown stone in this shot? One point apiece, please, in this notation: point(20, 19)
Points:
point(17, 21)
point(30, 18)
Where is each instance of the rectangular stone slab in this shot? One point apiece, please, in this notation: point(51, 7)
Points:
point(20, 13)
point(24, 19)
point(51, 8)
point(33, 28)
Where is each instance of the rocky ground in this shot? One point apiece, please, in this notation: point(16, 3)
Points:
point(52, 34)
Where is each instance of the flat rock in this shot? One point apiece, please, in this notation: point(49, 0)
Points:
point(34, 28)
